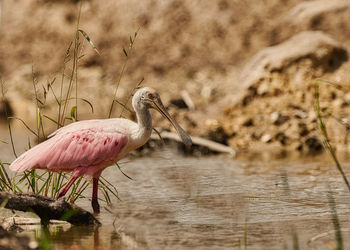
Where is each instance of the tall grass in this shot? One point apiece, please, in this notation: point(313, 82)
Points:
point(47, 183)
point(127, 54)
point(67, 101)
point(329, 147)
point(336, 223)
point(320, 116)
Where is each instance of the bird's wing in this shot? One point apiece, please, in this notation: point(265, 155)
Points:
point(80, 125)
point(66, 151)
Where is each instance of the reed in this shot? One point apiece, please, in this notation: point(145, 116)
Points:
point(320, 116)
point(127, 54)
point(67, 101)
point(335, 221)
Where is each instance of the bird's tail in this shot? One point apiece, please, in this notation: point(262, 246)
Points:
point(21, 163)
point(28, 160)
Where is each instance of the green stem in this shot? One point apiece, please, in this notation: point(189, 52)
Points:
point(326, 141)
point(127, 55)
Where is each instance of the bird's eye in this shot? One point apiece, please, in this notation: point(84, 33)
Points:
point(150, 95)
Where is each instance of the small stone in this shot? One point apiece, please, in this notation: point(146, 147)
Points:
point(179, 103)
point(266, 138)
point(274, 116)
point(347, 97)
point(207, 91)
point(248, 123)
point(337, 103)
point(314, 145)
point(299, 114)
point(282, 138)
point(263, 89)
point(33, 245)
point(303, 131)
point(216, 132)
point(278, 119)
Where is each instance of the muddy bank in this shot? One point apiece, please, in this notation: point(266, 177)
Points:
point(277, 105)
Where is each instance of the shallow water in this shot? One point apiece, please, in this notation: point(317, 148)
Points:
point(212, 203)
point(176, 202)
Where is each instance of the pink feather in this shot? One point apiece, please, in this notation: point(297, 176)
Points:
point(69, 149)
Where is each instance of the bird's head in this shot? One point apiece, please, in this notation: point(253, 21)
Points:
point(146, 98)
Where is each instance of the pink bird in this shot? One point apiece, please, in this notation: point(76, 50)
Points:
point(88, 147)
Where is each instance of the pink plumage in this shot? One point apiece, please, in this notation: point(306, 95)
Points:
point(88, 147)
point(66, 151)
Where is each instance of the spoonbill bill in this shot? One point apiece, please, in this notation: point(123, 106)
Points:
point(88, 147)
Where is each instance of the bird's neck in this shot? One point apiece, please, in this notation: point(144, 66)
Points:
point(144, 121)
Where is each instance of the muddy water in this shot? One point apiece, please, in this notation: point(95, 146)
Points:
point(176, 202)
point(212, 203)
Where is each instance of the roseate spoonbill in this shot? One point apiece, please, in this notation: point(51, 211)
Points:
point(88, 147)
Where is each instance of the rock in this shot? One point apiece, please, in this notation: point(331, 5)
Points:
point(207, 91)
point(10, 225)
point(282, 138)
point(216, 132)
point(248, 123)
point(10, 240)
point(303, 131)
point(321, 49)
point(263, 89)
point(179, 103)
point(347, 97)
point(278, 97)
point(266, 138)
point(278, 119)
point(188, 100)
point(185, 102)
point(313, 11)
point(314, 145)
point(299, 114)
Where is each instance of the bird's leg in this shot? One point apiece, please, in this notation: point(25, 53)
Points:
point(94, 201)
point(72, 179)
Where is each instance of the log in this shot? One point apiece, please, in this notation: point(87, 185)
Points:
point(211, 145)
point(47, 208)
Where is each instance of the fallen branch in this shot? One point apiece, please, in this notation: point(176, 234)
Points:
point(48, 209)
point(211, 145)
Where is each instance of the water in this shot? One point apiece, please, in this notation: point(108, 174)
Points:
point(212, 203)
point(176, 202)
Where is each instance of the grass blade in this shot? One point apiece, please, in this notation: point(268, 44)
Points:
point(127, 53)
point(8, 120)
point(336, 223)
point(326, 141)
point(73, 113)
point(51, 119)
point(133, 90)
point(123, 172)
point(85, 35)
point(25, 124)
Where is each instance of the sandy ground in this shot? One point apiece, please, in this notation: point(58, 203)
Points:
point(196, 54)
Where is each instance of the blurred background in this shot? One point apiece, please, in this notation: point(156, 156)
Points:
point(237, 72)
